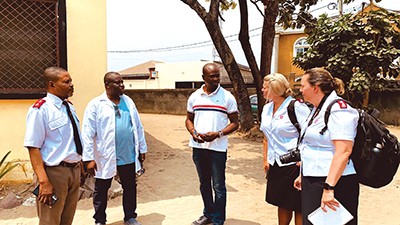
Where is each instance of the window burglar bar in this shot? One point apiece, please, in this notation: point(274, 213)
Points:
point(29, 43)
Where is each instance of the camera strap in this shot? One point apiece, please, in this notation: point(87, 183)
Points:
point(315, 114)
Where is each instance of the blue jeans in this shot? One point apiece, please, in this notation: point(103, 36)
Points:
point(210, 167)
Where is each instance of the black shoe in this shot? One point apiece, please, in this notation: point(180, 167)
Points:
point(202, 221)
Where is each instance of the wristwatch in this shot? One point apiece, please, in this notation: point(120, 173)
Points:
point(328, 187)
point(220, 133)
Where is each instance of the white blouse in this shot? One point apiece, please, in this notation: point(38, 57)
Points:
point(317, 149)
point(282, 135)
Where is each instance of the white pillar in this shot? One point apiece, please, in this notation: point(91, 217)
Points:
point(275, 54)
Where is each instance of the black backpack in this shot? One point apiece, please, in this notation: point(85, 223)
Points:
point(376, 152)
point(292, 115)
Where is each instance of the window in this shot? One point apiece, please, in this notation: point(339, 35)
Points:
point(188, 84)
point(32, 38)
point(300, 46)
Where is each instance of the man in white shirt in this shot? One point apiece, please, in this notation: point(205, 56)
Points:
point(53, 140)
point(114, 141)
point(211, 115)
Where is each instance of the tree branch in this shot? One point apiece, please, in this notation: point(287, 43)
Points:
point(214, 10)
point(255, 3)
point(197, 7)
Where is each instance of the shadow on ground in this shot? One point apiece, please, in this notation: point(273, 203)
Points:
point(239, 222)
point(251, 162)
point(153, 219)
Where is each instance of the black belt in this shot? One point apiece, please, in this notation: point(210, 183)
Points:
point(70, 165)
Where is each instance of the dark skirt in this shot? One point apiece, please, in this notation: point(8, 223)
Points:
point(346, 192)
point(280, 190)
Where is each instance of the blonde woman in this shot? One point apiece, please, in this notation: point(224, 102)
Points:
point(280, 136)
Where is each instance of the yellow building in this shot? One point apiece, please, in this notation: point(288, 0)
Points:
point(290, 42)
point(84, 56)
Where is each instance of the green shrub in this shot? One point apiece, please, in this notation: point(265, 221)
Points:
point(7, 167)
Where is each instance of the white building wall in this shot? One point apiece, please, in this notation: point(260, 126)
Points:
point(142, 84)
point(168, 74)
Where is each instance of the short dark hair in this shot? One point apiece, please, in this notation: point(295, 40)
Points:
point(51, 74)
point(108, 75)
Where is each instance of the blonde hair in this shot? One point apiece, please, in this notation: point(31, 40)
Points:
point(327, 83)
point(278, 84)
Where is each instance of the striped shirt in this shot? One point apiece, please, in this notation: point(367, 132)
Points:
point(211, 115)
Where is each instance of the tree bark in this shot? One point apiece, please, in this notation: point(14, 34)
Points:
point(248, 52)
point(210, 20)
point(271, 11)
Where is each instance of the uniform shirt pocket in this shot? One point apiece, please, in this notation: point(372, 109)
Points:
point(58, 123)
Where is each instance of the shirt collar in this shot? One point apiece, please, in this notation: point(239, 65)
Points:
point(284, 105)
point(332, 96)
point(213, 93)
point(104, 97)
point(55, 99)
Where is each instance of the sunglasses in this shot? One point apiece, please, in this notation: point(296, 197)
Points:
point(117, 112)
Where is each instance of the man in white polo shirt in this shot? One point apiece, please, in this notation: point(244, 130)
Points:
point(211, 115)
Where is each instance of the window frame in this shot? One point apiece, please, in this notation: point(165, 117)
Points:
point(61, 56)
point(301, 46)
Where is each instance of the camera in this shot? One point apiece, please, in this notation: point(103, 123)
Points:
point(293, 155)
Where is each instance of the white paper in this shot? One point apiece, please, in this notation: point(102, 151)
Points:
point(339, 217)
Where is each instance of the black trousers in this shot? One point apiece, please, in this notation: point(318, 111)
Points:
point(346, 192)
point(127, 174)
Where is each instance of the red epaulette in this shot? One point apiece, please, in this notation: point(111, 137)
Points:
point(39, 103)
point(300, 100)
point(342, 104)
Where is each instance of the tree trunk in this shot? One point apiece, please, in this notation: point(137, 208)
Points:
point(271, 11)
point(248, 52)
point(365, 100)
point(231, 66)
point(210, 20)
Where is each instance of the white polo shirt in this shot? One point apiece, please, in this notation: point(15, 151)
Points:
point(49, 129)
point(317, 149)
point(211, 115)
point(281, 134)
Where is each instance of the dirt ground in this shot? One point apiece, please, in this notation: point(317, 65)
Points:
point(168, 192)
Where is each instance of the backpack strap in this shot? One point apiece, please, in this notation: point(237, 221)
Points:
point(328, 112)
point(292, 115)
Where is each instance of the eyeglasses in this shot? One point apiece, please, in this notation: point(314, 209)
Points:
point(117, 112)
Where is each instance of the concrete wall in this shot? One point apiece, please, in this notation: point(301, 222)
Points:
point(87, 64)
point(388, 103)
point(174, 102)
point(167, 101)
point(87, 49)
